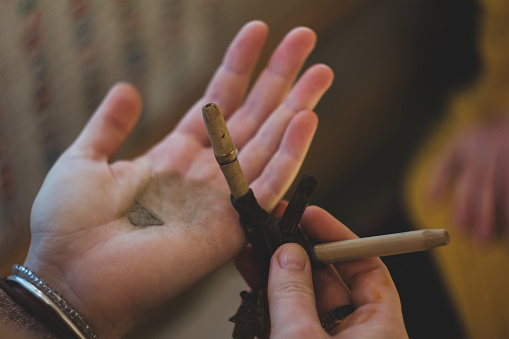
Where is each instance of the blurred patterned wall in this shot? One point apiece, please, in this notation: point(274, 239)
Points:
point(59, 58)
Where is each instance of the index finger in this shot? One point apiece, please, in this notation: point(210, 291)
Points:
point(369, 279)
point(230, 81)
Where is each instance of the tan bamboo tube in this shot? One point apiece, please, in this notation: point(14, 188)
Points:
point(224, 150)
point(379, 246)
point(333, 252)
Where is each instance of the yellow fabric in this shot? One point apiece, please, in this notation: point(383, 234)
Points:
point(478, 279)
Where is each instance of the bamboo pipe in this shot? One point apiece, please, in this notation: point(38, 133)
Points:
point(333, 252)
point(379, 246)
point(224, 150)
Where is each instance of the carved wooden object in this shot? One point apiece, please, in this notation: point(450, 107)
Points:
point(266, 233)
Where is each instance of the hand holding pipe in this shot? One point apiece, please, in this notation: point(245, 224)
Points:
point(333, 252)
point(266, 233)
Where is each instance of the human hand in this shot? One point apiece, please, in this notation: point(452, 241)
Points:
point(474, 170)
point(299, 297)
point(113, 272)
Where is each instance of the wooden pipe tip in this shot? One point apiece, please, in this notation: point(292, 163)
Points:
point(217, 130)
point(210, 110)
point(435, 238)
point(224, 149)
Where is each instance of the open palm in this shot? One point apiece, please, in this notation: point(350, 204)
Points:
point(114, 272)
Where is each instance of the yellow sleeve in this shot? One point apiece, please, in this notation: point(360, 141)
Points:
point(477, 279)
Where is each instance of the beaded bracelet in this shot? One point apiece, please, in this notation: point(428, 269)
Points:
point(46, 301)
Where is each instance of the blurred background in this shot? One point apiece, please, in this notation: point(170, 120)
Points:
point(397, 65)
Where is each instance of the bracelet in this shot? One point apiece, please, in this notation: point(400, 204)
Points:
point(45, 302)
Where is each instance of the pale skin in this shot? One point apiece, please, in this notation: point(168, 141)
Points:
point(298, 296)
point(115, 273)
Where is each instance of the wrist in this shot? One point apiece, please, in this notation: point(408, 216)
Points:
point(17, 322)
point(65, 278)
point(45, 304)
point(104, 310)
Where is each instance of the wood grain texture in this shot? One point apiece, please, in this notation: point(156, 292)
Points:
point(379, 246)
point(224, 150)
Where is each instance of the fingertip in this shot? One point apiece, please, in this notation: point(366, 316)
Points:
point(327, 72)
point(127, 95)
point(122, 108)
point(320, 77)
point(112, 122)
point(299, 134)
point(255, 28)
point(257, 24)
point(292, 256)
point(303, 38)
point(245, 48)
point(305, 32)
point(305, 120)
point(310, 88)
point(292, 51)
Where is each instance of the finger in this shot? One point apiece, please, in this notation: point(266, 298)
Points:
point(110, 125)
point(487, 194)
point(464, 200)
point(273, 84)
point(323, 227)
point(330, 290)
point(452, 163)
point(304, 96)
point(373, 293)
point(443, 174)
point(282, 168)
point(375, 299)
point(291, 298)
point(228, 85)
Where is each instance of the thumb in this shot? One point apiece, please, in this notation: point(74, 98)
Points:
point(291, 297)
point(108, 128)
